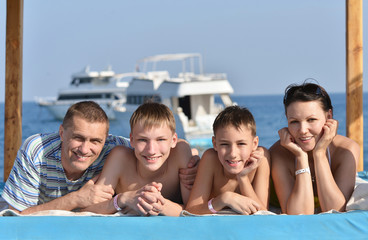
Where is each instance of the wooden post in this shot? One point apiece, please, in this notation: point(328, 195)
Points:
point(354, 74)
point(13, 83)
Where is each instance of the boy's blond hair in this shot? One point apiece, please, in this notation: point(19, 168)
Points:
point(152, 114)
point(235, 116)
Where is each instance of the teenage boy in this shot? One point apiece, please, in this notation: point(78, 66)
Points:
point(146, 178)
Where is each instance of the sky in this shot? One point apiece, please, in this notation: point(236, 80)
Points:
point(262, 46)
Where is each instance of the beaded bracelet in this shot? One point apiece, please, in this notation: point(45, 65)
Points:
point(116, 205)
point(210, 207)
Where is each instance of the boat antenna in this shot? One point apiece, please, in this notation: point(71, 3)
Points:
point(86, 69)
point(200, 64)
point(183, 70)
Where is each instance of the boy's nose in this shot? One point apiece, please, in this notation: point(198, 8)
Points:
point(151, 147)
point(233, 151)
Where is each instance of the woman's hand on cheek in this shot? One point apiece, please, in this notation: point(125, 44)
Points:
point(288, 142)
point(329, 132)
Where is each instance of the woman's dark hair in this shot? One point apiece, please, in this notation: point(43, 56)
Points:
point(307, 92)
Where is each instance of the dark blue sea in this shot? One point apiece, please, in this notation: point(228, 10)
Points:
point(267, 110)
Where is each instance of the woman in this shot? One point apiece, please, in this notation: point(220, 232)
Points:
point(312, 166)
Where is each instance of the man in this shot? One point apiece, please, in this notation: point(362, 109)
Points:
point(57, 171)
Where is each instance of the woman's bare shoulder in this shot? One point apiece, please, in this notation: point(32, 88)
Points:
point(276, 148)
point(343, 142)
point(278, 152)
point(344, 148)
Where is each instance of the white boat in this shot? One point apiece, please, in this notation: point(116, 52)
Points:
point(104, 87)
point(190, 93)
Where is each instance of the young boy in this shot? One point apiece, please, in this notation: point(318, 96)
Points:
point(146, 178)
point(235, 172)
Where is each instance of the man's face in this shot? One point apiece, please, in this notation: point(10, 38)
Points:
point(82, 143)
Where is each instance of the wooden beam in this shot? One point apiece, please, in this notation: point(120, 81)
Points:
point(354, 74)
point(13, 83)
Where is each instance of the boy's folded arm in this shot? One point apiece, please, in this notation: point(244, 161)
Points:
point(220, 202)
point(241, 204)
point(188, 173)
point(184, 155)
point(198, 209)
point(171, 208)
point(232, 200)
point(110, 176)
point(261, 181)
point(128, 199)
point(200, 206)
point(201, 192)
point(152, 203)
point(258, 189)
point(106, 207)
point(113, 166)
point(188, 164)
point(247, 190)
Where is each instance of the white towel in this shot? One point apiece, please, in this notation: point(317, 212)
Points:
point(227, 212)
point(359, 198)
point(9, 212)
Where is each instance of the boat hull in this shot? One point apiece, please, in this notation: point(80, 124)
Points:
point(59, 109)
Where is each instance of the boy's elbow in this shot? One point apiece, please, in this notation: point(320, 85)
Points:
point(192, 209)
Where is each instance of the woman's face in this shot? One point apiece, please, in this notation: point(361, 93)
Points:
point(305, 123)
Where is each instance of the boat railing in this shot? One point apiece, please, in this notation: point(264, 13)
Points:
point(189, 76)
point(216, 76)
point(48, 102)
point(122, 76)
point(164, 75)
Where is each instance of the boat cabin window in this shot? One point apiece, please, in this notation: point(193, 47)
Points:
point(140, 99)
point(184, 103)
point(89, 80)
point(87, 96)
